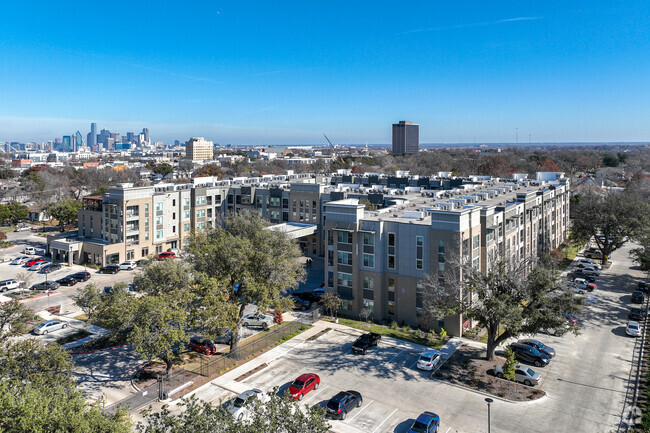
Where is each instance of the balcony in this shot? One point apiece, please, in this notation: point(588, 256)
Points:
point(132, 215)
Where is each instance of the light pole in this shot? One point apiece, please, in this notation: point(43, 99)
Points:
point(489, 401)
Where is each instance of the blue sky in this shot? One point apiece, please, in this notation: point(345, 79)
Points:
point(260, 72)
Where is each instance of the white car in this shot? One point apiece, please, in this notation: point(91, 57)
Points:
point(20, 260)
point(429, 359)
point(239, 408)
point(577, 288)
point(128, 266)
point(633, 329)
point(586, 262)
point(523, 374)
point(263, 321)
point(23, 228)
point(6, 285)
point(589, 270)
point(49, 326)
point(29, 250)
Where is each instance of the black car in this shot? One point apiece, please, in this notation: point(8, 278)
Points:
point(110, 269)
point(636, 314)
point(364, 342)
point(539, 346)
point(300, 304)
point(342, 403)
point(642, 286)
point(579, 274)
point(529, 354)
point(310, 297)
point(81, 276)
point(67, 281)
point(638, 297)
point(46, 285)
point(50, 268)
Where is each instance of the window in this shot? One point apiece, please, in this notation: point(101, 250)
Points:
point(159, 220)
point(186, 227)
point(368, 283)
point(146, 236)
point(174, 215)
point(368, 239)
point(476, 242)
point(145, 251)
point(441, 247)
point(200, 213)
point(419, 289)
point(130, 254)
point(186, 214)
point(146, 207)
point(344, 279)
point(343, 258)
point(186, 201)
point(174, 202)
point(159, 206)
point(200, 200)
point(369, 260)
point(391, 250)
point(159, 234)
point(419, 252)
point(441, 267)
point(275, 201)
point(200, 226)
point(209, 200)
point(475, 263)
point(344, 237)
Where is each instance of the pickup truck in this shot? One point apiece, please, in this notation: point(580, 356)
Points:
point(364, 342)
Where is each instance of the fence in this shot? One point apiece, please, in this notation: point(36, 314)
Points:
point(210, 366)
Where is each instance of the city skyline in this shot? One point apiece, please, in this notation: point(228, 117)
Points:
point(286, 73)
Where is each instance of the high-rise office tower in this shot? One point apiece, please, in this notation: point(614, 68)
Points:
point(66, 143)
point(130, 137)
point(92, 136)
point(104, 135)
point(78, 141)
point(406, 137)
point(145, 131)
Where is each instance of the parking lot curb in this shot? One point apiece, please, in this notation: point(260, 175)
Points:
point(96, 351)
point(485, 394)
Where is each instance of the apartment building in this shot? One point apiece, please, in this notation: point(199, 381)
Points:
point(199, 149)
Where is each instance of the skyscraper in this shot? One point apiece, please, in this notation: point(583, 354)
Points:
point(78, 141)
point(406, 137)
point(66, 143)
point(145, 131)
point(92, 137)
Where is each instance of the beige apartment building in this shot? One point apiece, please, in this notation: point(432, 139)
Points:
point(199, 149)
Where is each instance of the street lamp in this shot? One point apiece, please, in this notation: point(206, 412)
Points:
point(489, 401)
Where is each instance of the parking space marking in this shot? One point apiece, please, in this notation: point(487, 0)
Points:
point(398, 354)
point(285, 352)
point(315, 394)
point(361, 410)
point(386, 419)
point(448, 430)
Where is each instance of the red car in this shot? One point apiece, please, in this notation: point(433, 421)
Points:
point(303, 384)
point(167, 255)
point(200, 345)
point(32, 262)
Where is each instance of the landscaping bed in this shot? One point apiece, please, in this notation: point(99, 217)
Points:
point(402, 333)
point(468, 368)
point(82, 333)
point(101, 343)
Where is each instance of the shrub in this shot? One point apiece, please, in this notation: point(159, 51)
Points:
point(277, 317)
point(393, 325)
point(443, 333)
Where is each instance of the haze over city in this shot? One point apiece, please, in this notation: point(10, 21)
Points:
point(284, 72)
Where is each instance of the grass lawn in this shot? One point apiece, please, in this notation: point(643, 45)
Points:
point(6, 229)
point(399, 333)
point(73, 337)
point(484, 337)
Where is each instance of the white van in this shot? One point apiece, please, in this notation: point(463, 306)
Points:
point(8, 285)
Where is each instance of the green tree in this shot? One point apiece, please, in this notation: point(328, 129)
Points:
point(611, 161)
point(610, 219)
point(65, 212)
point(163, 169)
point(13, 316)
point(641, 255)
point(277, 415)
point(12, 212)
point(89, 299)
point(332, 302)
point(38, 393)
point(507, 300)
point(256, 264)
point(509, 365)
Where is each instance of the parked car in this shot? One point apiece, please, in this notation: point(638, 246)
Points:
point(128, 266)
point(224, 337)
point(319, 291)
point(593, 253)
point(239, 408)
point(29, 250)
point(52, 267)
point(636, 314)
point(67, 281)
point(256, 320)
point(110, 269)
point(638, 297)
point(6, 285)
point(589, 270)
point(429, 359)
point(576, 288)
point(571, 318)
point(81, 276)
point(523, 374)
point(342, 403)
point(201, 345)
point(31, 262)
point(49, 326)
point(633, 329)
point(300, 304)
point(529, 354)
point(303, 384)
point(427, 422)
point(310, 297)
point(22, 228)
point(584, 284)
point(364, 342)
point(20, 260)
point(642, 286)
point(583, 263)
point(38, 266)
point(167, 255)
point(539, 346)
point(579, 274)
point(46, 285)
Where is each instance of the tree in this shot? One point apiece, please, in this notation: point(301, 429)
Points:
point(13, 316)
point(65, 212)
point(163, 169)
point(89, 299)
point(509, 365)
point(34, 377)
point(641, 255)
point(332, 302)
point(610, 219)
point(256, 264)
point(13, 212)
point(611, 161)
point(277, 415)
point(508, 300)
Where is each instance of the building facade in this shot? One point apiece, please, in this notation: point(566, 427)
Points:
point(199, 149)
point(406, 137)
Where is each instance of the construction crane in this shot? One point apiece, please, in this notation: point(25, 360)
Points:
point(328, 140)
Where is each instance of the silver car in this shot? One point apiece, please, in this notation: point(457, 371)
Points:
point(20, 260)
point(257, 320)
point(239, 408)
point(38, 266)
point(523, 374)
point(49, 326)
